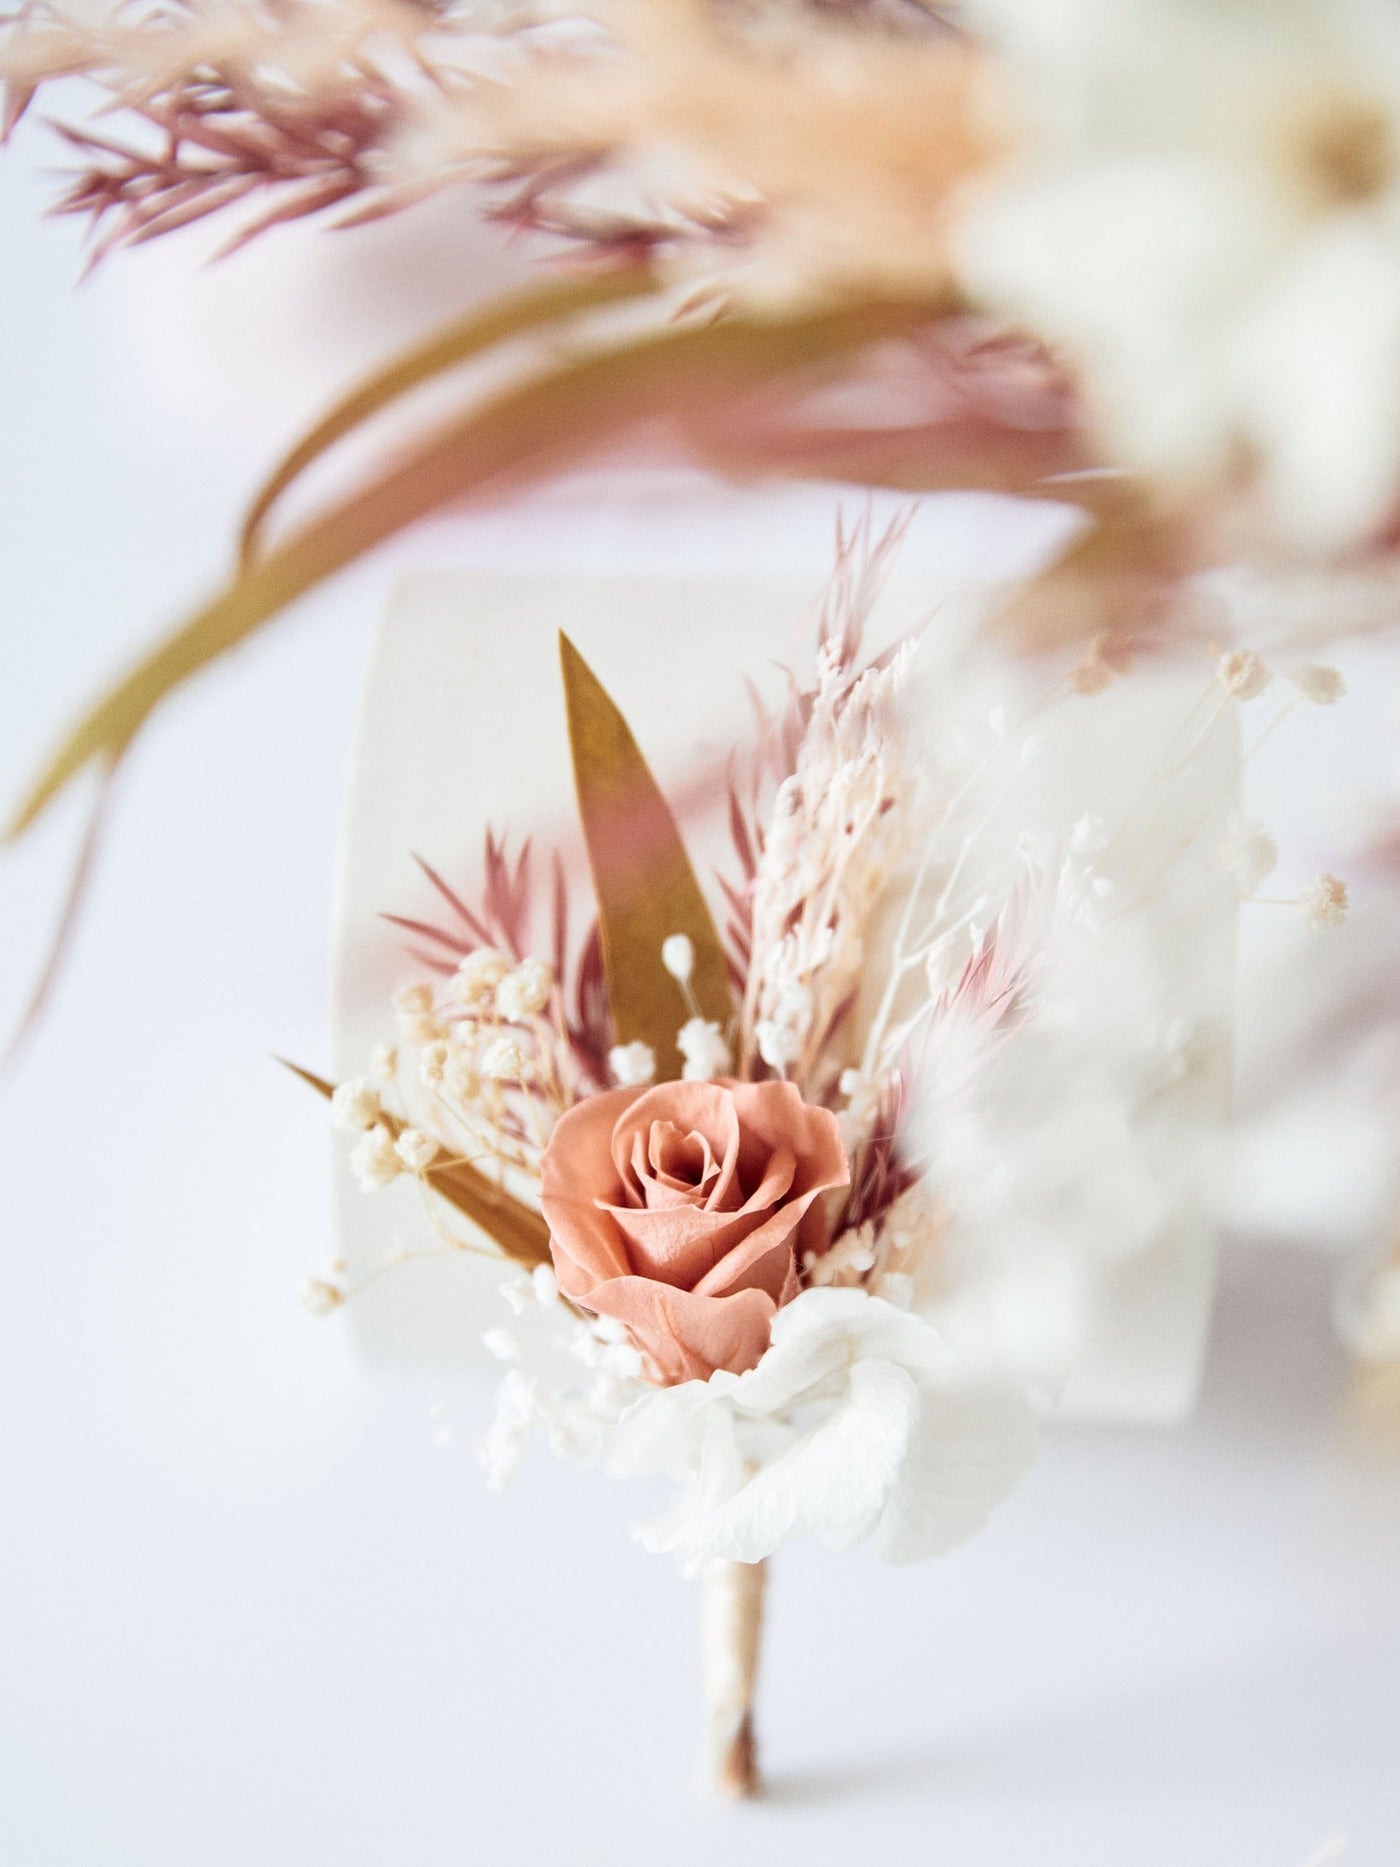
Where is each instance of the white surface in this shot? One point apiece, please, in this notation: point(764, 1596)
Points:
point(249, 1615)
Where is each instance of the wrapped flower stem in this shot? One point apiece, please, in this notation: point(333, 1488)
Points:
point(731, 1629)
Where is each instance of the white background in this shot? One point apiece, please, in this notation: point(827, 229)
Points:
point(249, 1612)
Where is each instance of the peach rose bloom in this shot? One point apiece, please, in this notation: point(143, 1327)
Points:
point(684, 1211)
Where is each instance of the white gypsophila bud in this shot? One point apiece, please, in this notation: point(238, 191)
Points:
point(1249, 853)
point(1324, 687)
point(461, 1080)
point(897, 1287)
point(632, 1065)
point(524, 992)
point(546, 1285)
point(678, 957)
point(516, 1293)
point(1324, 902)
point(415, 1000)
point(384, 1063)
point(504, 1061)
point(355, 1105)
point(501, 1343)
point(793, 1004)
point(1242, 674)
point(701, 1042)
point(778, 1044)
point(416, 1149)
point(420, 1028)
point(623, 1362)
point(373, 1159)
point(319, 1296)
point(476, 979)
point(432, 1064)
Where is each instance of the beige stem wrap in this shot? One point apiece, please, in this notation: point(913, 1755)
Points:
point(731, 1626)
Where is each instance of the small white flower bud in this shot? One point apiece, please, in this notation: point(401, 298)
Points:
point(414, 1001)
point(678, 957)
point(701, 1043)
point(778, 1044)
point(1322, 686)
point(1249, 853)
point(632, 1065)
point(515, 1292)
point(1324, 902)
point(501, 1343)
point(1242, 674)
point(384, 1063)
point(476, 979)
point(504, 1061)
point(546, 1285)
point(524, 992)
point(433, 1062)
point(355, 1105)
point(416, 1149)
point(319, 1297)
point(373, 1159)
point(461, 1081)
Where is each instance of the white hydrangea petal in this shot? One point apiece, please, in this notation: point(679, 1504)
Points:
point(968, 1449)
point(833, 1482)
point(822, 1323)
point(663, 1432)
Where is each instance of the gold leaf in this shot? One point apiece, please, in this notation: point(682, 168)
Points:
point(524, 433)
point(521, 1232)
point(642, 877)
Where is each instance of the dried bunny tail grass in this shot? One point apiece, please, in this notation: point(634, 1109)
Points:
point(862, 563)
point(843, 820)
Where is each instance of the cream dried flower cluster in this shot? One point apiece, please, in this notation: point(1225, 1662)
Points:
point(732, 1231)
point(494, 1070)
point(703, 1197)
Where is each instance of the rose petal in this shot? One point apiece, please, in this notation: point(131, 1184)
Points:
point(685, 1335)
